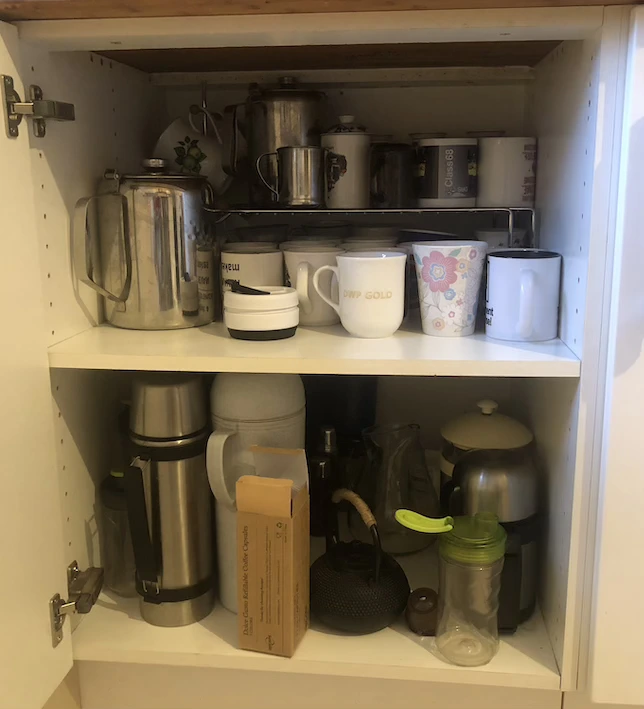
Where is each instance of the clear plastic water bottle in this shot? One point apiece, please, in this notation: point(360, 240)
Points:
point(471, 553)
point(471, 561)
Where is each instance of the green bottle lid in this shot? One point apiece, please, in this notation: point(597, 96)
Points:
point(467, 540)
point(474, 540)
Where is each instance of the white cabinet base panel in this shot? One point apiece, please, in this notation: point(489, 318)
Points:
point(106, 685)
point(329, 350)
point(115, 632)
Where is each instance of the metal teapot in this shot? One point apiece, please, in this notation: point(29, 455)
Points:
point(143, 244)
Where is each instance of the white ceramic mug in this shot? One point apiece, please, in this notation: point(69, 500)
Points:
point(506, 172)
point(301, 264)
point(522, 295)
point(449, 280)
point(189, 151)
point(371, 287)
point(251, 265)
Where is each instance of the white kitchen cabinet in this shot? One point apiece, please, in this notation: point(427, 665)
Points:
point(579, 393)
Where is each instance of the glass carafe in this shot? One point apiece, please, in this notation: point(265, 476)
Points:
point(395, 476)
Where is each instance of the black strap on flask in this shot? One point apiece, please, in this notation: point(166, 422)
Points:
point(145, 556)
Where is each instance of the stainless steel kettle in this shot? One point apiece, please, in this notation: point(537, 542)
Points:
point(143, 244)
point(278, 117)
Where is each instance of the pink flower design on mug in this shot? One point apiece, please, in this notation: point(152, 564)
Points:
point(439, 271)
point(473, 254)
point(438, 324)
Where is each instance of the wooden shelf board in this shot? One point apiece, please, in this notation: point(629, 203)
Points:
point(13, 10)
point(115, 632)
point(328, 350)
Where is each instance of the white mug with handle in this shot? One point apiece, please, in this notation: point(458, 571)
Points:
point(371, 298)
point(522, 295)
point(301, 264)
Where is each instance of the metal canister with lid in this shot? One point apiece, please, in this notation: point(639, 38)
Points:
point(274, 117)
point(143, 244)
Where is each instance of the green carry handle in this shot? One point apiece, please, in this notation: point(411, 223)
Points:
point(420, 523)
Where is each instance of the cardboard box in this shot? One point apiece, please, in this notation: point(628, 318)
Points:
point(273, 552)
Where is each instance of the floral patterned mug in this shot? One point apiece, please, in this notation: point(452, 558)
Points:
point(449, 281)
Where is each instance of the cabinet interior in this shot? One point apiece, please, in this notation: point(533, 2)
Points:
point(86, 403)
point(124, 100)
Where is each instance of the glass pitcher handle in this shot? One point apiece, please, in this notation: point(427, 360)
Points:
point(420, 523)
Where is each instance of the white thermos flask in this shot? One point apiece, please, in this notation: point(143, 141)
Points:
point(246, 410)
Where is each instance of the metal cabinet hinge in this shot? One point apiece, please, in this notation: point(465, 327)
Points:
point(37, 108)
point(83, 588)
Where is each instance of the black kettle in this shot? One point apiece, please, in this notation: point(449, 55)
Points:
point(356, 587)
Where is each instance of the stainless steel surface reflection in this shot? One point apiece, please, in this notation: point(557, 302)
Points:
point(144, 245)
point(168, 406)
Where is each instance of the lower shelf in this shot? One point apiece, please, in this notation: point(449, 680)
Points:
point(327, 350)
point(115, 632)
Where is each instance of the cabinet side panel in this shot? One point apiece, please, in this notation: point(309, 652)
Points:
point(31, 550)
point(564, 114)
point(86, 406)
point(553, 410)
point(114, 105)
point(617, 621)
point(579, 220)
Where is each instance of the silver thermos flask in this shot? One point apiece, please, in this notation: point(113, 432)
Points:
point(168, 499)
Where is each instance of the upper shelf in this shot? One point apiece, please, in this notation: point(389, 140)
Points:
point(511, 214)
point(328, 350)
point(336, 56)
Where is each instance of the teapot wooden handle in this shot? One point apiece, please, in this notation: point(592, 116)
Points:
point(363, 508)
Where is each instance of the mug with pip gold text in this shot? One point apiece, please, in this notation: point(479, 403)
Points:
point(371, 287)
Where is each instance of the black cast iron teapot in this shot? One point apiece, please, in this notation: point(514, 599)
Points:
point(356, 587)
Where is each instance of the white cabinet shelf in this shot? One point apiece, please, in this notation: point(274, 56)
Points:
point(312, 351)
point(115, 632)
